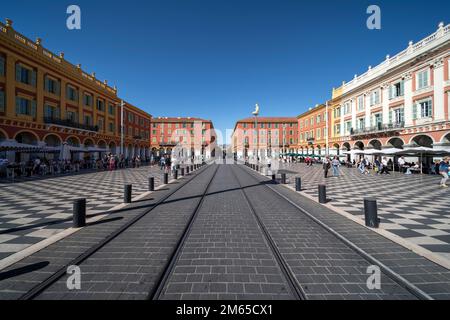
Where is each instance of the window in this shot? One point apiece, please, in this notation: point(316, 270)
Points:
point(72, 116)
point(25, 106)
point(72, 93)
point(111, 109)
point(348, 127)
point(25, 75)
point(361, 123)
point(87, 100)
point(337, 112)
point(2, 65)
point(100, 124)
point(87, 120)
point(374, 97)
point(397, 116)
point(360, 103)
point(52, 112)
point(100, 105)
point(397, 90)
point(337, 129)
point(422, 79)
point(377, 120)
point(112, 127)
point(347, 108)
point(318, 133)
point(130, 117)
point(2, 100)
point(423, 109)
point(318, 119)
point(51, 85)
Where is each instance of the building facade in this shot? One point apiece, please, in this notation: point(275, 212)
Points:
point(401, 102)
point(264, 136)
point(313, 131)
point(195, 137)
point(47, 101)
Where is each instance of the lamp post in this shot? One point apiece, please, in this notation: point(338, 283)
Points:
point(327, 151)
point(122, 104)
point(256, 113)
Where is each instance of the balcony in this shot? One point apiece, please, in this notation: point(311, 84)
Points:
point(70, 124)
point(138, 137)
point(310, 141)
point(380, 129)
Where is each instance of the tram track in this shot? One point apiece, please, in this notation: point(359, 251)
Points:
point(61, 272)
point(394, 276)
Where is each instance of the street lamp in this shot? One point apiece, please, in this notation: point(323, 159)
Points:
point(255, 114)
point(122, 104)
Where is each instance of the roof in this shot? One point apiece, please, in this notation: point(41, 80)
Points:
point(178, 119)
point(269, 119)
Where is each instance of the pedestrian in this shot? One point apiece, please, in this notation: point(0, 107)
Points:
point(443, 171)
point(384, 166)
point(401, 164)
point(326, 166)
point(335, 164)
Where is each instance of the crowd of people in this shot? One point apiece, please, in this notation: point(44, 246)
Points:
point(41, 166)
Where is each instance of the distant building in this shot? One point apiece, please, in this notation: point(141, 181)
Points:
point(277, 135)
point(195, 136)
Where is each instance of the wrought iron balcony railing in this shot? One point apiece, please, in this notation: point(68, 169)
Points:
point(70, 124)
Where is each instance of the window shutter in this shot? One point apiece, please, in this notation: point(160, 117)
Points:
point(76, 95)
point(33, 78)
point(402, 87)
point(33, 108)
point(2, 66)
point(2, 101)
point(46, 84)
point(414, 111)
point(46, 111)
point(17, 105)
point(18, 73)
point(57, 88)
point(390, 116)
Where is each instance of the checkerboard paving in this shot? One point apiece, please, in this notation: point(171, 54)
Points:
point(35, 210)
point(413, 207)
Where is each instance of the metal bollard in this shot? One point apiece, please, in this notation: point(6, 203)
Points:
point(192, 168)
point(371, 213)
point(151, 184)
point(127, 193)
point(79, 213)
point(166, 178)
point(182, 172)
point(322, 193)
point(283, 178)
point(274, 177)
point(175, 174)
point(187, 170)
point(298, 184)
point(257, 168)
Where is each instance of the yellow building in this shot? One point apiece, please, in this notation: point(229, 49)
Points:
point(46, 101)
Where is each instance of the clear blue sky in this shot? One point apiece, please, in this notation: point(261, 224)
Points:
point(216, 58)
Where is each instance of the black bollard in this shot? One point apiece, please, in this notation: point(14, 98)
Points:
point(187, 170)
point(166, 178)
point(283, 178)
point(79, 213)
point(151, 184)
point(274, 177)
point(371, 213)
point(257, 168)
point(182, 172)
point(322, 193)
point(192, 168)
point(175, 174)
point(298, 184)
point(127, 193)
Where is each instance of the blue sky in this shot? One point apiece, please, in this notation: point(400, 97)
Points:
point(216, 58)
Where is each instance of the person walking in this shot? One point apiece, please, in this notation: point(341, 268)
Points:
point(335, 165)
point(443, 171)
point(384, 166)
point(326, 166)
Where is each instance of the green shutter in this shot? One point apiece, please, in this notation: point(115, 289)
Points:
point(390, 116)
point(57, 88)
point(18, 72)
point(33, 78)
point(2, 66)
point(17, 105)
point(2, 101)
point(402, 87)
point(33, 108)
point(414, 111)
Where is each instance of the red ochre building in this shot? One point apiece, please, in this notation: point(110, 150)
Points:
point(276, 135)
point(194, 136)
